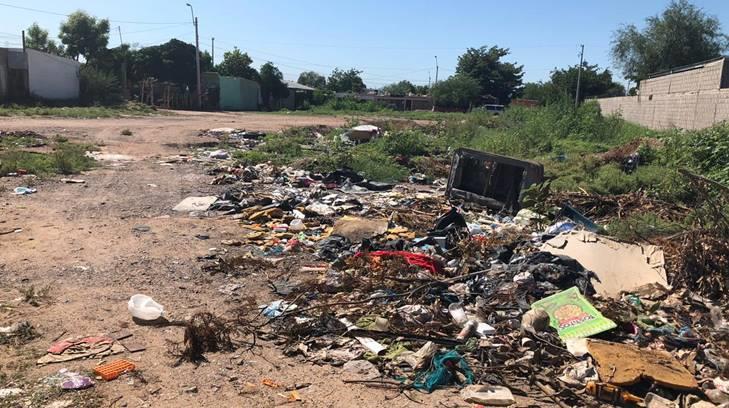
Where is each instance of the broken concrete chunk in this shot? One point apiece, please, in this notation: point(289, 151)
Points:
point(195, 204)
point(489, 395)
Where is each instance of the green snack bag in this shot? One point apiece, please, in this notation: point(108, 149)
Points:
point(572, 315)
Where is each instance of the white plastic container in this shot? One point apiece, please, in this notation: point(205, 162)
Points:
point(458, 314)
point(297, 225)
point(145, 308)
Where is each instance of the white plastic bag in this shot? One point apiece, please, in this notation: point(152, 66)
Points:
point(145, 308)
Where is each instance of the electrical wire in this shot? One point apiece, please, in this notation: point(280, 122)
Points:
point(66, 15)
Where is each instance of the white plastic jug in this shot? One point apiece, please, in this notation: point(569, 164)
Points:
point(145, 308)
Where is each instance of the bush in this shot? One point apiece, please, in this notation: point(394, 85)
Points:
point(98, 87)
point(406, 143)
point(703, 151)
point(376, 165)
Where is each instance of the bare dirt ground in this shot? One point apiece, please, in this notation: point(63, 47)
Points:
point(80, 240)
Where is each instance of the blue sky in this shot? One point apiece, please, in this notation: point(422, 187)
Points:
point(388, 40)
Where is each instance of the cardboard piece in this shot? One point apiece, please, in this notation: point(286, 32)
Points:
point(356, 229)
point(572, 315)
point(625, 364)
point(195, 204)
point(619, 266)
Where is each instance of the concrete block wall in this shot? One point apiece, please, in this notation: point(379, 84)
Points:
point(688, 110)
point(705, 78)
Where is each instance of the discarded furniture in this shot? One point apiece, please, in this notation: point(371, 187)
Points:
point(490, 179)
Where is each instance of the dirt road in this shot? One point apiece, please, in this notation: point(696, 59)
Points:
point(96, 244)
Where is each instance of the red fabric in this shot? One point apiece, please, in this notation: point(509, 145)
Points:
point(423, 261)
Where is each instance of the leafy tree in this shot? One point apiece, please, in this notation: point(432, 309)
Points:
point(422, 89)
point(37, 39)
point(272, 85)
point(312, 79)
point(238, 64)
point(458, 91)
point(544, 92)
point(346, 81)
point(172, 61)
point(683, 34)
point(84, 35)
point(593, 82)
point(501, 80)
point(401, 88)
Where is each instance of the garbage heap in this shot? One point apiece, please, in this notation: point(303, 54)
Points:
point(407, 290)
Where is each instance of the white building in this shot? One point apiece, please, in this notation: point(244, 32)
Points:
point(34, 74)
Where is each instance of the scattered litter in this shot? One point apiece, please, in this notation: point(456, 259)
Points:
point(24, 190)
point(219, 154)
point(625, 364)
point(619, 267)
point(359, 370)
point(10, 392)
point(72, 181)
point(356, 229)
point(144, 308)
point(69, 380)
point(76, 348)
point(573, 316)
point(190, 204)
point(489, 395)
point(114, 369)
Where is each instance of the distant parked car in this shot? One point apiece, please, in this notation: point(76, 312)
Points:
point(495, 109)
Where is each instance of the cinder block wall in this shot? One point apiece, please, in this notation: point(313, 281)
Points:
point(689, 110)
point(691, 99)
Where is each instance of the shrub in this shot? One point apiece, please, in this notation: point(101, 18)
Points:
point(376, 165)
point(98, 87)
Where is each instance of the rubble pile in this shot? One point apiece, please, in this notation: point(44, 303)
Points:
point(428, 286)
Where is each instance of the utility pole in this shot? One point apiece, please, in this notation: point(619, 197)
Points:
point(436, 69)
point(579, 75)
point(22, 33)
point(213, 51)
point(125, 90)
point(197, 58)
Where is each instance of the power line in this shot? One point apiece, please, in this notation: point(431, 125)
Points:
point(66, 15)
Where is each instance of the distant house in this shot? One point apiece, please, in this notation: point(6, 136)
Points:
point(402, 103)
point(29, 73)
point(298, 93)
point(230, 93)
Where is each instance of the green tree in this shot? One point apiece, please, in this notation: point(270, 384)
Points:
point(272, 85)
point(401, 88)
point(346, 81)
point(238, 64)
point(594, 83)
point(422, 89)
point(498, 79)
point(312, 79)
point(173, 61)
point(37, 39)
point(458, 91)
point(84, 35)
point(683, 34)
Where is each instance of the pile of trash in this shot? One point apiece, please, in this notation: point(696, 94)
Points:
point(452, 284)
